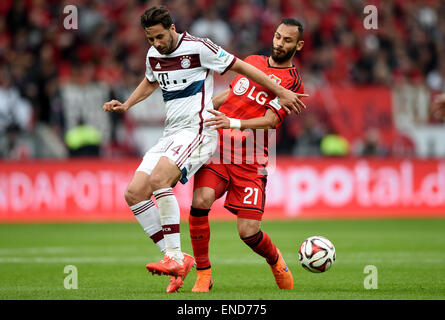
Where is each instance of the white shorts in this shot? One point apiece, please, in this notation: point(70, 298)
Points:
point(187, 149)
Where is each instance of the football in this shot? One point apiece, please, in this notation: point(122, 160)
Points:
point(317, 254)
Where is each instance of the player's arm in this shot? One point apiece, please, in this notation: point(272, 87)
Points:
point(288, 100)
point(220, 120)
point(143, 90)
point(219, 99)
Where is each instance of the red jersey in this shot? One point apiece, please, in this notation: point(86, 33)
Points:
point(248, 100)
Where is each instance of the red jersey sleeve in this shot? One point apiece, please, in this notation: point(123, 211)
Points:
point(294, 84)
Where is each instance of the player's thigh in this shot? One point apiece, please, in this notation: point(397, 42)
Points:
point(152, 156)
point(210, 183)
point(199, 154)
point(247, 197)
point(157, 165)
point(165, 174)
point(247, 227)
point(138, 189)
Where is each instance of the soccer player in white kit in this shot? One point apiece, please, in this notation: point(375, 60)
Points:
point(182, 66)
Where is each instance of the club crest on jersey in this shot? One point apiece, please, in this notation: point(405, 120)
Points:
point(241, 86)
point(185, 62)
point(275, 78)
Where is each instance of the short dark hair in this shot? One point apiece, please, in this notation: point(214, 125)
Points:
point(156, 15)
point(294, 22)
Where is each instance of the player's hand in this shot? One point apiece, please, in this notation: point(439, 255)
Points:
point(438, 107)
point(290, 101)
point(114, 106)
point(218, 121)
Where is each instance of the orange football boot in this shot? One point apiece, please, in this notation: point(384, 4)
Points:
point(203, 281)
point(282, 274)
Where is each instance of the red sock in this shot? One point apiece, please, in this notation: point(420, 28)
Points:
point(200, 236)
point(261, 244)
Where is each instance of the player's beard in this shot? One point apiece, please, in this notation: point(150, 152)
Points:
point(171, 45)
point(283, 57)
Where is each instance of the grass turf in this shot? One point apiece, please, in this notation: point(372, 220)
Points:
point(110, 259)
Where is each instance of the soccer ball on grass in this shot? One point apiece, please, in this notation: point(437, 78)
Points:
point(317, 254)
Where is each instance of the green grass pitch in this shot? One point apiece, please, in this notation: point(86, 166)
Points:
point(110, 259)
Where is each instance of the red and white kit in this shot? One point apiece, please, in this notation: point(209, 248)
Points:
point(244, 181)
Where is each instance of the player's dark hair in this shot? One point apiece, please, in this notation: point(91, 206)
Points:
point(294, 22)
point(156, 15)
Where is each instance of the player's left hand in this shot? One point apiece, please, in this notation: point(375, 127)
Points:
point(291, 101)
point(218, 121)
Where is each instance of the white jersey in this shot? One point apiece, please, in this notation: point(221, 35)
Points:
point(185, 77)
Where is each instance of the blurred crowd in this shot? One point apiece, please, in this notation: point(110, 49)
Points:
point(53, 80)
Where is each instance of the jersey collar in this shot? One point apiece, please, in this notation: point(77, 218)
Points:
point(268, 64)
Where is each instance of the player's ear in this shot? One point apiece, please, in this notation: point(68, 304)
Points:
point(172, 27)
point(300, 45)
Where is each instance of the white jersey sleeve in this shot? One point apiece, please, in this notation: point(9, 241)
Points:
point(214, 57)
point(148, 70)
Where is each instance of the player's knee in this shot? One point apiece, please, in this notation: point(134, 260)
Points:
point(202, 203)
point(202, 200)
point(248, 232)
point(133, 196)
point(248, 228)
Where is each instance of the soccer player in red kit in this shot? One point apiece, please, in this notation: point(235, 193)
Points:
point(245, 105)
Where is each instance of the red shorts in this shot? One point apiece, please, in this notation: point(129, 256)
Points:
point(246, 189)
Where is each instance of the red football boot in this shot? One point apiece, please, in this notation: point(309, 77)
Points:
point(170, 267)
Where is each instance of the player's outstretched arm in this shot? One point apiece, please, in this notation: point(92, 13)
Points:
point(143, 90)
point(220, 120)
point(219, 99)
point(288, 100)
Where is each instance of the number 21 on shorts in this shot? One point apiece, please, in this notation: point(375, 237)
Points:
point(251, 192)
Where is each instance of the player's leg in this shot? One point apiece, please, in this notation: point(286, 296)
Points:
point(259, 241)
point(181, 159)
point(146, 212)
point(203, 199)
point(163, 176)
point(137, 195)
point(246, 197)
point(209, 184)
point(199, 227)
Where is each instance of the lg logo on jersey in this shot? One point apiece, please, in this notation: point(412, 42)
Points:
point(242, 86)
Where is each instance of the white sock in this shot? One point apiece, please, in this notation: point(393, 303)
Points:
point(148, 216)
point(170, 217)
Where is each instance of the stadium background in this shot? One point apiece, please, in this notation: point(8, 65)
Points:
point(367, 147)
